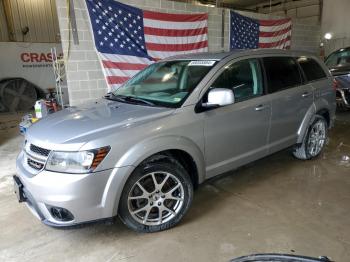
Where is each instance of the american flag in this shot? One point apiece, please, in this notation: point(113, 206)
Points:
point(128, 39)
point(246, 32)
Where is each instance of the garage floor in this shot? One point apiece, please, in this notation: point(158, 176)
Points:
point(277, 204)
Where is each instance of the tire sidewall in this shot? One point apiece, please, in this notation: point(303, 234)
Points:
point(173, 168)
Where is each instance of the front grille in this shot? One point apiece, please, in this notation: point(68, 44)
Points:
point(39, 150)
point(34, 164)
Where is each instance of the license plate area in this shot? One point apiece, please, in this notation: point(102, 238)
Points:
point(18, 188)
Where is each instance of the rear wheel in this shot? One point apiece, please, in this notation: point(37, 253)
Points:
point(156, 196)
point(314, 140)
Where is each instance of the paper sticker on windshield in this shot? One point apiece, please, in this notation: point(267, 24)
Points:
point(177, 99)
point(202, 63)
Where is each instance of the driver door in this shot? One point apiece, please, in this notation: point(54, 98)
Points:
point(238, 133)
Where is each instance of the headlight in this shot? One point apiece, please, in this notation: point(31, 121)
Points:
point(76, 162)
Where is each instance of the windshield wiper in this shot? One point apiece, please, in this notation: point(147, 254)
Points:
point(113, 97)
point(138, 100)
point(126, 99)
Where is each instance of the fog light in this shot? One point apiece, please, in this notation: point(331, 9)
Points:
point(61, 214)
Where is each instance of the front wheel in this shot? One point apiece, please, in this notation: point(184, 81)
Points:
point(314, 140)
point(156, 196)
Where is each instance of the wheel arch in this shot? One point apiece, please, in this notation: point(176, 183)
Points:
point(321, 107)
point(181, 148)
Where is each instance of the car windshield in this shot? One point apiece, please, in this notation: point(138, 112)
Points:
point(340, 57)
point(165, 84)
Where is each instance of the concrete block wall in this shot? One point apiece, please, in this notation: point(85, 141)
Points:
point(85, 79)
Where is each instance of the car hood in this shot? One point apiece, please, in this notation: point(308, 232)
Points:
point(73, 125)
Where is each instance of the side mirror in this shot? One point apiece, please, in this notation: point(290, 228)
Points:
point(217, 97)
point(220, 97)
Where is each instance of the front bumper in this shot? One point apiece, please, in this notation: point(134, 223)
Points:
point(88, 197)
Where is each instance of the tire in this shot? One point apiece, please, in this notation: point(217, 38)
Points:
point(150, 208)
point(306, 150)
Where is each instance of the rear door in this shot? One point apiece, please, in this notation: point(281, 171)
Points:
point(317, 77)
point(290, 99)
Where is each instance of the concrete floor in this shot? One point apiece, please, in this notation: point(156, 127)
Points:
point(277, 204)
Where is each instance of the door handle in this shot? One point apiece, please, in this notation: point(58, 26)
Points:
point(260, 108)
point(306, 94)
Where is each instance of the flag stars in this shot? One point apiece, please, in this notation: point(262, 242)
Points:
point(118, 30)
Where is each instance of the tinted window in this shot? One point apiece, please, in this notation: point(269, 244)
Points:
point(282, 73)
point(243, 77)
point(311, 68)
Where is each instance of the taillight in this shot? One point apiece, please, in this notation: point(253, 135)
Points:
point(335, 84)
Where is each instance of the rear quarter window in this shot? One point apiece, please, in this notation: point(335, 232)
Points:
point(312, 70)
point(281, 73)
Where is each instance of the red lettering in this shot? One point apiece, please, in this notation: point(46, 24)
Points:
point(49, 57)
point(43, 58)
point(34, 57)
point(25, 57)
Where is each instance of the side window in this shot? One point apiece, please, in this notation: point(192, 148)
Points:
point(311, 68)
point(243, 77)
point(281, 73)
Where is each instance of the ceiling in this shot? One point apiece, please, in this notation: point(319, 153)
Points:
point(235, 4)
point(243, 3)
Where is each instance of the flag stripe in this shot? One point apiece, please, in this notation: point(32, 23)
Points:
point(176, 47)
point(175, 32)
point(174, 25)
point(174, 40)
point(275, 33)
point(158, 55)
point(123, 66)
point(116, 79)
point(273, 39)
point(174, 17)
point(124, 59)
point(274, 22)
point(274, 44)
point(118, 72)
point(274, 28)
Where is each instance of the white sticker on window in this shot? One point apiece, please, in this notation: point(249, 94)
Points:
point(202, 63)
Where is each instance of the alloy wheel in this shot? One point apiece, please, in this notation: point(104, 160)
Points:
point(317, 138)
point(156, 198)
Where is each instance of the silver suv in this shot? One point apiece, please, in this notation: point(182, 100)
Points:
point(139, 152)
